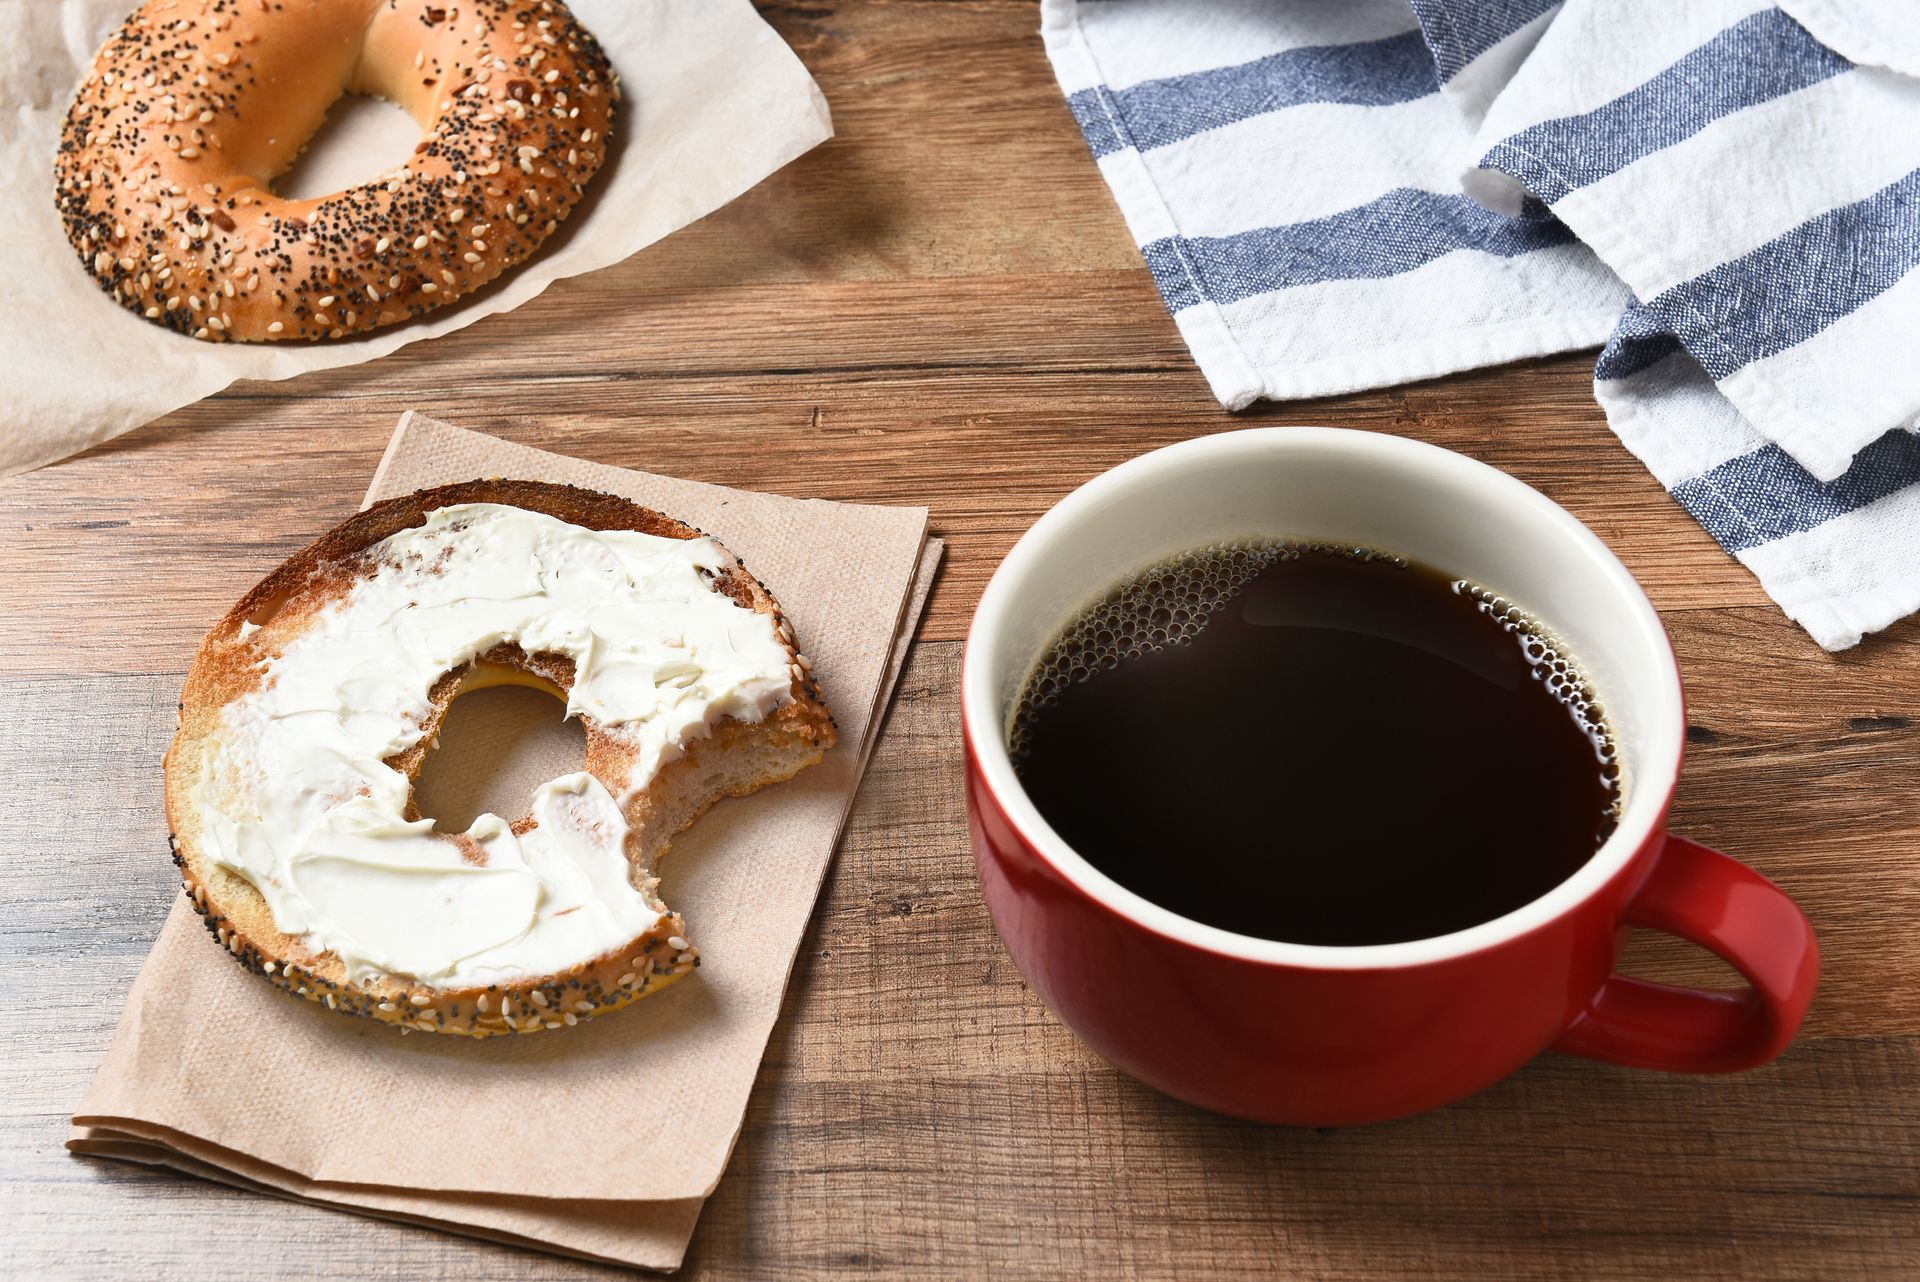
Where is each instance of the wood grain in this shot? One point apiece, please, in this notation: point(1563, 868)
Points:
point(942, 306)
point(921, 1114)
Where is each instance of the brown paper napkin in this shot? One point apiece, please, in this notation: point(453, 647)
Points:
point(600, 1140)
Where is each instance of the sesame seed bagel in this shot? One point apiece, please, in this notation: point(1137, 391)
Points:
point(193, 107)
point(244, 655)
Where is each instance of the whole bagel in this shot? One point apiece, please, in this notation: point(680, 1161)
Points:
point(194, 106)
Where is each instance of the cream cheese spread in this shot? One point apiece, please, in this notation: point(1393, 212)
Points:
point(300, 800)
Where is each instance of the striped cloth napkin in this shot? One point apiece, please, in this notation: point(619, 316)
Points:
point(1723, 194)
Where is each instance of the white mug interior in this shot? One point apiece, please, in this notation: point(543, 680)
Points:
point(1365, 489)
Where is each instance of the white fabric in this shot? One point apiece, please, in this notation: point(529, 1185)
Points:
point(1333, 196)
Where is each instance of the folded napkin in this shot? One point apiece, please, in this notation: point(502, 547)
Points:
point(599, 1141)
point(1726, 194)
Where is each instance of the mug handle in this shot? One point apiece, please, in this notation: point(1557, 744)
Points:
point(1719, 903)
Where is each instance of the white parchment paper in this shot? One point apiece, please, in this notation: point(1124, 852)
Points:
point(713, 102)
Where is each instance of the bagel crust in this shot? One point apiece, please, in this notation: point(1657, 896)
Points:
point(738, 757)
point(193, 107)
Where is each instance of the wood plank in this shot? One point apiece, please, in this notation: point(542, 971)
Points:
point(123, 574)
point(1802, 1170)
point(954, 155)
point(1837, 830)
point(921, 1114)
point(1789, 1174)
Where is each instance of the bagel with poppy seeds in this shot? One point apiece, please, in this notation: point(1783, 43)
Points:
point(193, 107)
point(311, 707)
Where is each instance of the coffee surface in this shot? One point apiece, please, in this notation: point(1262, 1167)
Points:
point(1317, 745)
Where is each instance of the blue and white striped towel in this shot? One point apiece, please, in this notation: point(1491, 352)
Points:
point(1338, 194)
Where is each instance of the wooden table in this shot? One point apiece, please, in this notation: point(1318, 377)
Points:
point(942, 306)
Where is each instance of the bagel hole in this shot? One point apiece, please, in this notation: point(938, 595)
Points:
point(497, 745)
point(361, 138)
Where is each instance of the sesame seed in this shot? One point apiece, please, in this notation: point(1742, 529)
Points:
point(539, 998)
point(275, 328)
point(421, 999)
point(676, 943)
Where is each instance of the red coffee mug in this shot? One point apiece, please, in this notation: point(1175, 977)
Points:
point(1327, 1036)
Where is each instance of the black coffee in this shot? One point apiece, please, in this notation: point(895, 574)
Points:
point(1319, 745)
